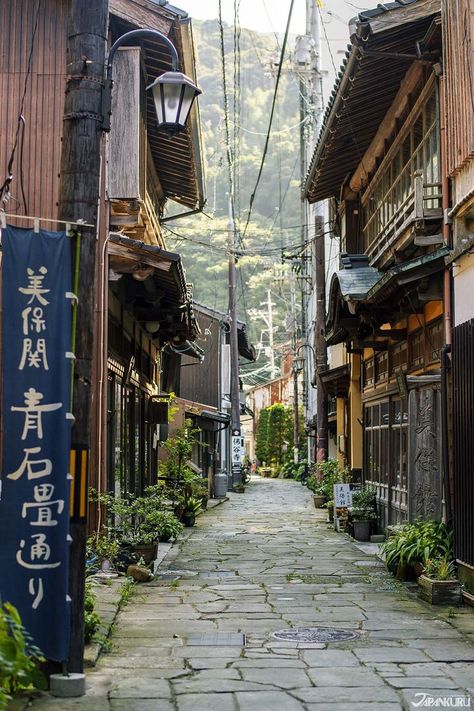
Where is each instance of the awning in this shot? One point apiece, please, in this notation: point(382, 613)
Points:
point(336, 380)
point(216, 416)
point(357, 277)
point(178, 160)
point(151, 282)
point(383, 46)
point(358, 297)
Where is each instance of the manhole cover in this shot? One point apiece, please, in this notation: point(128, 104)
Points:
point(316, 634)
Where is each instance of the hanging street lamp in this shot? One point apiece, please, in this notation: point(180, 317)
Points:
point(173, 92)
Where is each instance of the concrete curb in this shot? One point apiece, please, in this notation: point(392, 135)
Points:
point(108, 595)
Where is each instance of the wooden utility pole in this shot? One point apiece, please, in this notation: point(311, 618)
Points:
point(294, 341)
point(320, 342)
point(234, 348)
point(78, 199)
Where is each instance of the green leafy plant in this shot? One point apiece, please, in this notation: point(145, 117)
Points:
point(126, 592)
point(191, 505)
point(416, 542)
point(323, 475)
point(439, 569)
point(167, 525)
point(18, 656)
point(103, 547)
point(91, 618)
point(364, 504)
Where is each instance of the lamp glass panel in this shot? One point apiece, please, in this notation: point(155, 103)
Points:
point(171, 95)
point(188, 98)
point(158, 103)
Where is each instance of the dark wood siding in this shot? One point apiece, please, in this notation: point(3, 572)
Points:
point(43, 108)
point(200, 381)
point(458, 23)
point(463, 440)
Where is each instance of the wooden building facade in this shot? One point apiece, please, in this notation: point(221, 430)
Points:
point(143, 301)
point(458, 35)
point(379, 160)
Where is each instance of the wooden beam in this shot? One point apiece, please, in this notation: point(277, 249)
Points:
point(428, 240)
point(396, 334)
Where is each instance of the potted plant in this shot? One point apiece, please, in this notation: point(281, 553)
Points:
point(363, 512)
point(410, 544)
point(191, 508)
point(167, 525)
point(438, 583)
point(315, 485)
point(104, 550)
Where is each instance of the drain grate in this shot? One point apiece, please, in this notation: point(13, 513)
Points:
point(316, 634)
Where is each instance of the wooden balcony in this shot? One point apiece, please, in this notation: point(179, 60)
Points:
point(419, 207)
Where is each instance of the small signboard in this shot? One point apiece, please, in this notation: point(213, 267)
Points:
point(343, 494)
point(236, 449)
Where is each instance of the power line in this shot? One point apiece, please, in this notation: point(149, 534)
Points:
point(267, 140)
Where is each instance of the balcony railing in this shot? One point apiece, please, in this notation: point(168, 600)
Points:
point(405, 190)
point(423, 201)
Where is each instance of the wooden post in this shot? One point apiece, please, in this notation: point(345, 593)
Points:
point(78, 199)
point(320, 343)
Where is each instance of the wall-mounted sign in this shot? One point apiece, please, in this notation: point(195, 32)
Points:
point(34, 499)
point(236, 449)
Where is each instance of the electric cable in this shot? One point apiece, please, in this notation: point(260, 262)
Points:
point(267, 140)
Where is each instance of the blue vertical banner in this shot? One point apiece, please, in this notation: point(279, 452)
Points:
point(34, 494)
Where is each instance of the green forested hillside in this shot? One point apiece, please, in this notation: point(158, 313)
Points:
point(202, 239)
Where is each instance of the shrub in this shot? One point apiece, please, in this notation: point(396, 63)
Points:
point(364, 504)
point(323, 475)
point(91, 618)
point(18, 656)
point(417, 542)
point(439, 569)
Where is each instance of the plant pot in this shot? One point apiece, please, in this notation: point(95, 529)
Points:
point(178, 511)
point(361, 530)
point(147, 551)
point(319, 500)
point(188, 519)
point(418, 568)
point(405, 572)
point(440, 592)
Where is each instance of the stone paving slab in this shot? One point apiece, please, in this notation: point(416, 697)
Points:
point(293, 570)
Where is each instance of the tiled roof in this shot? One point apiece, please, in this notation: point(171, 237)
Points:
point(364, 89)
point(383, 7)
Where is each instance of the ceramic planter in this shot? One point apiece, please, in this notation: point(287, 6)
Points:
point(319, 500)
point(440, 592)
point(361, 530)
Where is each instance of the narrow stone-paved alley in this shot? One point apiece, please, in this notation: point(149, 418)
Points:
point(262, 562)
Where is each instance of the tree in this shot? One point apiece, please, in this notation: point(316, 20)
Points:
point(261, 443)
